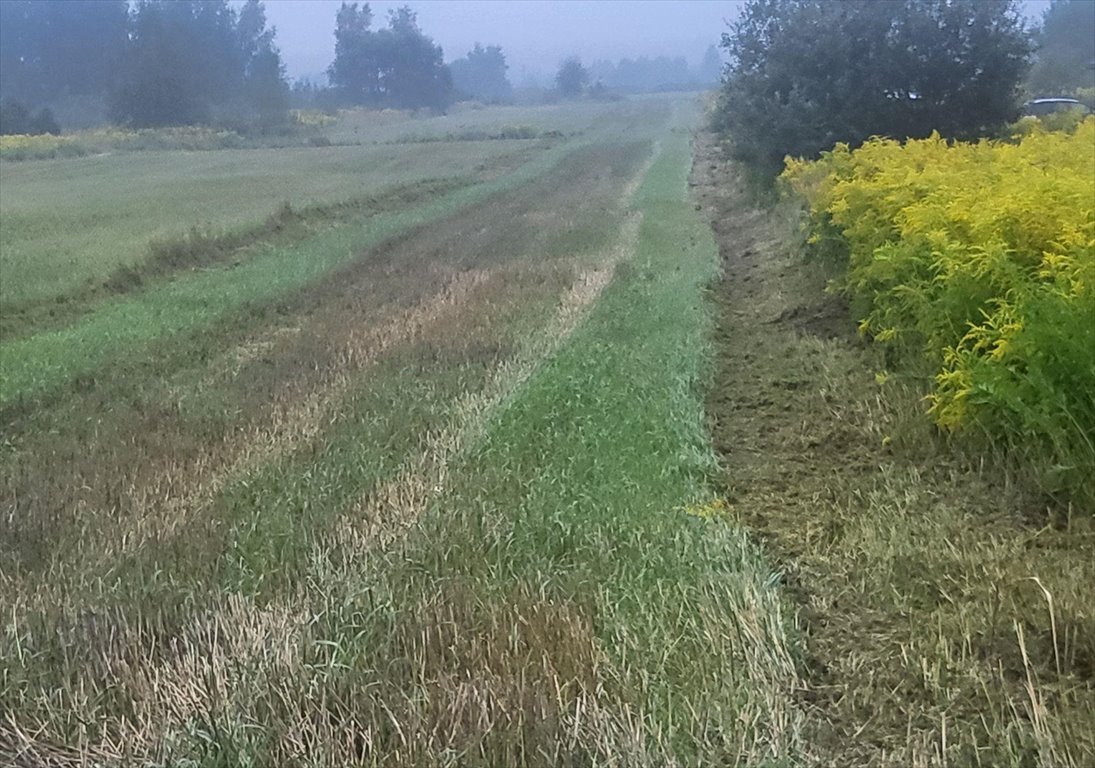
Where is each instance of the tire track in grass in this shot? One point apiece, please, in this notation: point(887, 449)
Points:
point(425, 476)
point(161, 475)
point(272, 634)
point(294, 423)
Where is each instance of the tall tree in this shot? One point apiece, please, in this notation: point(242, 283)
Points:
point(198, 61)
point(265, 87)
point(572, 78)
point(710, 69)
point(482, 75)
point(413, 74)
point(805, 74)
point(1065, 59)
point(64, 47)
point(398, 66)
point(355, 72)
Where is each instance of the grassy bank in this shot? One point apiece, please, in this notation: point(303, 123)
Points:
point(946, 610)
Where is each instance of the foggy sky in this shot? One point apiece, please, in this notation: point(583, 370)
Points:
point(535, 34)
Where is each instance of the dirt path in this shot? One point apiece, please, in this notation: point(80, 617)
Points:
point(940, 626)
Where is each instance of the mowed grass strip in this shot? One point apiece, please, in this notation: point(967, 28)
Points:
point(577, 567)
point(946, 618)
point(42, 363)
point(91, 637)
point(571, 597)
point(70, 222)
point(106, 468)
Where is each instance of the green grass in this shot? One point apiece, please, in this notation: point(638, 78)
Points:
point(68, 222)
point(568, 564)
point(579, 495)
point(43, 362)
point(499, 546)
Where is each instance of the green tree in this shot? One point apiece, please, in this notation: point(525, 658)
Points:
point(481, 75)
point(805, 74)
point(710, 69)
point(66, 47)
point(355, 71)
point(1065, 59)
point(572, 78)
point(265, 88)
point(199, 61)
point(394, 67)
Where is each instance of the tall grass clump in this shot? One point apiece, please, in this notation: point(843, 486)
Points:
point(980, 259)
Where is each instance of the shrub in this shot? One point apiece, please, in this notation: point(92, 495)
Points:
point(979, 257)
point(16, 119)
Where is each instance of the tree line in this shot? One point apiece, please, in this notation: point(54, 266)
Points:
point(807, 74)
point(183, 62)
point(159, 62)
point(661, 73)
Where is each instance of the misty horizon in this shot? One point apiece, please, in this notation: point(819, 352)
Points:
point(535, 35)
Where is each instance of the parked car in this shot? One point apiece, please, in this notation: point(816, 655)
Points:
point(1047, 106)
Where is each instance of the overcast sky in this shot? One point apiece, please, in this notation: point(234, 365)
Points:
point(535, 34)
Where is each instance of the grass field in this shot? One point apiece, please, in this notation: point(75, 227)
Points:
point(417, 484)
point(70, 221)
point(488, 451)
point(73, 221)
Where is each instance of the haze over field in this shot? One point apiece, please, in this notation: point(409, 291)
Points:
point(535, 34)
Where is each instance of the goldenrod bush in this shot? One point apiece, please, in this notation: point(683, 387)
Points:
point(980, 257)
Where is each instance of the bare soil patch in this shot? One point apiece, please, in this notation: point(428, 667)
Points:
point(948, 615)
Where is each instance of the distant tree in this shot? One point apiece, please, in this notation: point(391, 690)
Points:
point(1065, 58)
point(355, 71)
point(710, 69)
point(395, 67)
point(571, 78)
point(413, 73)
point(199, 61)
point(60, 48)
point(265, 88)
point(15, 118)
point(481, 75)
point(805, 74)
